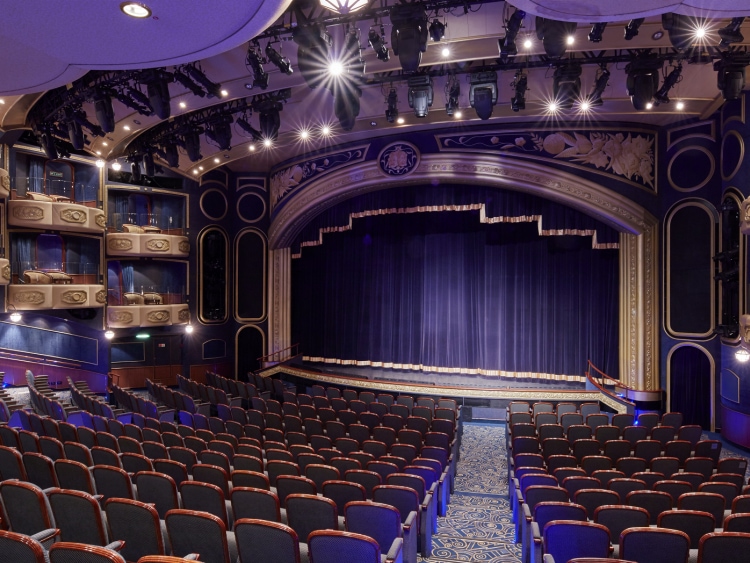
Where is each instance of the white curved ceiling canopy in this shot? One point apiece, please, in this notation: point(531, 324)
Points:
point(610, 10)
point(49, 43)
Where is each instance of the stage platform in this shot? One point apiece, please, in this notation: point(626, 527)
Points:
point(478, 392)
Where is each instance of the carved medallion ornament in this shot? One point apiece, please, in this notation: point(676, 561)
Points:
point(184, 246)
point(160, 316)
point(627, 155)
point(73, 216)
point(158, 245)
point(101, 221)
point(120, 317)
point(101, 296)
point(28, 213)
point(285, 180)
point(398, 159)
point(4, 180)
point(74, 297)
point(184, 315)
point(29, 297)
point(119, 244)
point(6, 272)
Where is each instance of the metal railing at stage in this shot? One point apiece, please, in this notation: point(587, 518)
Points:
point(279, 356)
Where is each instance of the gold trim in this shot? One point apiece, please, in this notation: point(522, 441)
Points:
point(740, 160)
point(667, 270)
point(705, 181)
point(73, 216)
point(199, 281)
point(119, 243)
point(263, 181)
point(124, 317)
point(28, 213)
point(160, 316)
point(28, 297)
point(713, 378)
point(710, 136)
point(226, 204)
point(158, 245)
point(237, 259)
point(6, 272)
point(75, 297)
point(242, 218)
point(236, 344)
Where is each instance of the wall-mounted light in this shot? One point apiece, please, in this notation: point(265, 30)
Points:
point(109, 334)
point(742, 354)
point(15, 316)
point(189, 329)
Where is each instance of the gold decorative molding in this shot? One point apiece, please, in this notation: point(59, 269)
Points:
point(101, 221)
point(279, 298)
point(6, 272)
point(28, 297)
point(158, 245)
point(121, 317)
point(160, 316)
point(119, 243)
point(701, 182)
point(75, 297)
point(183, 315)
point(73, 215)
point(183, 246)
point(101, 296)
point(28, 213)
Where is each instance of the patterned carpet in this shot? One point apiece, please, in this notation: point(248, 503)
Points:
point(478, 526)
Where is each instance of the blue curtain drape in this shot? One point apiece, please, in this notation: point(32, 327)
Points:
point(36, 175)
point(23, 252)
point(441, 290)
point(691, 385)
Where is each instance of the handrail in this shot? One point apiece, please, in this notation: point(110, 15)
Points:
point(600, 386)
point(610, 378)
point(276, 356)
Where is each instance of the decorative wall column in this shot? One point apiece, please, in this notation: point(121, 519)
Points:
point(639, 342)
point(279, 300)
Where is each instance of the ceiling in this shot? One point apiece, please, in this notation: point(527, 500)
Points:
point(40, 54)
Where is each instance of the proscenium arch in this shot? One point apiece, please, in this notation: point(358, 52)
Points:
point(639, 332)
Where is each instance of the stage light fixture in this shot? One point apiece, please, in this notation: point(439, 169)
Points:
point(567, 85)
point(409, 34)
point(483, 93)
point(452, 93)
point(148, 164)
point(731, 33)
point(171, 155)
point(255, 135)
point(344, 6)
point(281, 62)
point(730, 77)
point(597, 32)
point(105, 113)
point(391, 113)
point(188, 83)
point(47, 141)
point(314, 44)
point(437, 30)
point(377, 43)
point(662, 95)
point(554, 35)
point(519, 84)
point(254, 62)
point(682, 30)
point(420, 94)
point(75, 134)
point(220, 131)
point(346, 104)
point(642, 80)
point(157, 87)
point(192, 141)
point(632, 28)
point(212, 88)
point(352, 54)
point(507, 44)
point(269, 118)
point(602, 79)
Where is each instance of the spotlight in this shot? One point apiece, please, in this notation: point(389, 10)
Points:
point(437, 30)
point(682, 29)
point(270, 122)
point(314, 43)
point(158, 93)
point(148, 164)
point(409, 34)
point(188, 83)
point(554, 35)
point(193, 144)
point(595, 99)
point(105, 114)
point(254, 62)
point(212, 89)
point(220, 131)
point(377, 43)
point(661, 96)
point(483, 93)
point(731, 75)
point(631, 30)
point(281, 62)
point(643, 80)
point(520, 82)
point(344, 6)
point(254, 133)
point(567, 85)
point(507, 44)
point(597, 31)
point(75, 134)
point(48, 143)
point(420, 94)
point(171, 155)
point(352, 54)
point(731, 33)
point(452, 92)
point(391, 114)
point(346, 104)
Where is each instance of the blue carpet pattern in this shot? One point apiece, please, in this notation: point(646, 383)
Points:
point(478, 526)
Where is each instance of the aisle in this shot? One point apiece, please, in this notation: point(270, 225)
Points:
point(478, 526)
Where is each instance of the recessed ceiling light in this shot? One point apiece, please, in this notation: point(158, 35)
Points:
point(446, 52)
point(458, 114)
point(217, 161)
point(552, 107)
point(336, 68)
point(267, 143)
point(304, 134)
point(527, 44)
point(700, 32)
point(2, 101)
point(200, 168)
point(373, 123)
point(98, 153)
point(105, 144)
point(183, 105)
point(585, 105)
point(657, 35)
point(126, 127)
point(135, 9)
point(195, 171)
point(570, 39)
point(649, 105)
point(224, 93)
point(680, 105)
point(252, 148)
point(400, 121)
point(326, 130)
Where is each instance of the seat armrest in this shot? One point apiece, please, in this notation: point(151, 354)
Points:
point(536, 534)
point(396, 552)
point(192, 557)
point(411, 520)
point(526, 512)
point(115, 545)
point(46, 535)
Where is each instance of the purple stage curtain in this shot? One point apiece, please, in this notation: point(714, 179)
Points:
point(691, 385)
point(442, 290)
